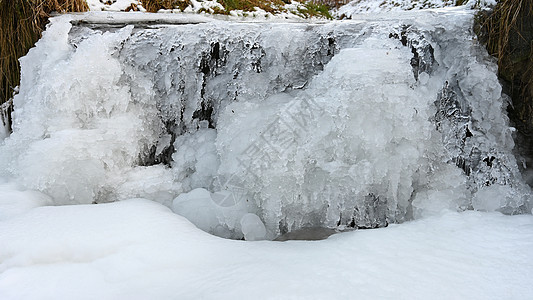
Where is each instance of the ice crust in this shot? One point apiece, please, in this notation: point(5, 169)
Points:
point(356, 123)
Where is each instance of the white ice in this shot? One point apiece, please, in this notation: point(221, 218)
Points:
point(321, 126)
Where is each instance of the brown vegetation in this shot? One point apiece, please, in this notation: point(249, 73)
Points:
point(155, 5)
point(271, 6)
point(331, 3)
point(508, 34)
point(318, 8)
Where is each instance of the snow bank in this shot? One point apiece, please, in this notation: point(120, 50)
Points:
point(137, 249)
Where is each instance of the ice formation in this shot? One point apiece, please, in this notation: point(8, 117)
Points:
point(252, 227)
point(4, 121)
point(245, 127)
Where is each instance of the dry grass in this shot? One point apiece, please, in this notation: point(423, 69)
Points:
point(331, 3)
point(21, 24)
point(272, 6)
point(17, 35)
point(506, 23)
point(312, 8)
point(508, 34)
point(45, 7)
point(510, 39)
point(155, 5)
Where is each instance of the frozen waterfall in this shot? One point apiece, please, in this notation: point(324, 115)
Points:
point(258, 129)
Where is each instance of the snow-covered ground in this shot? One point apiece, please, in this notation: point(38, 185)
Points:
point(138, 249)
point(379, 6)
point(294, 10)
point(271, 127)
point(291, 10)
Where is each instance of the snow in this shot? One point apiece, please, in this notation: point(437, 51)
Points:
point(16, 201)
point(112, 5)
point(138, 249)
point(183, 125)
point(356, 7)
point(288, 11)
point(110, 18)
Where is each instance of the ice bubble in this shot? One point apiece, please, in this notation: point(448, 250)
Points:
point(423, 78)
point(252, 227)
point(197, 207)
point(491, 198)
